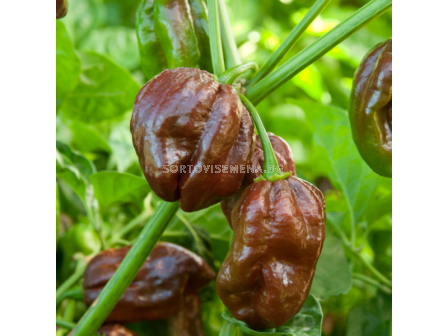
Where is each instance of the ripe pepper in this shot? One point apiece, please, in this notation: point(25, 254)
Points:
point(61, 8)
point(171, 34)
point(115, 330)
point(161, 289)
point(284, 158)
point(183, 118)
point(371, 108)
point(278, 236)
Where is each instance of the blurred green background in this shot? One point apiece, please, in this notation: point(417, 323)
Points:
point(98, 76)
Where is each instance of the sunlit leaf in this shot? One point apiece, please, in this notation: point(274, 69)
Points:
point(113, 187)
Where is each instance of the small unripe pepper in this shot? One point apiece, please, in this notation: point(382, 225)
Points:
point(279, 230)
point(61, 8)
point(371, 108)
point(165, 285)
point(172, 34)
point(184, 119)
point(284, 157)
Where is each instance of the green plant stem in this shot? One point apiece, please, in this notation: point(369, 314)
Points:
point(137, 221)
point(316, 50)
point(229, 76)
point(215, 38)
point(76, 294)
point(230, 48)
point(270, 165)
point(370, 267)
point(372, 282)
point(69, 315)
point(63, 324)
point(290, 40)
point(74, 278)
point(127, 270)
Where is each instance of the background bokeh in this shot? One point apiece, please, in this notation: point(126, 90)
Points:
point(98, 76)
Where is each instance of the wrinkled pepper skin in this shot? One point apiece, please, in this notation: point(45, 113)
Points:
point(176, 33)
point(278, 236)
point(371, 109)
point(152, 58)
point(184, 117)
point(115, 330)
point(199, 13)
point(61, 8)
point(284, 158)
point(168, 274)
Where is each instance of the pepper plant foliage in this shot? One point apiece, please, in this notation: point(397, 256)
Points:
point(101, 191)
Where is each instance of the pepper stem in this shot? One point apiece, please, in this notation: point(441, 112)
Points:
point(271, 169)
point(229, 76)
point(230, 48)
point(215, 38)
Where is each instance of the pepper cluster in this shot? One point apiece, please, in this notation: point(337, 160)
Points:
point(172, 34)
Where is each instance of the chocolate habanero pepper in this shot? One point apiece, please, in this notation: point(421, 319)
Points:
point(254, 169)
point(61, 8)
point(189, 131)
point(165, 287)
point(278, 236)
point(371, 108)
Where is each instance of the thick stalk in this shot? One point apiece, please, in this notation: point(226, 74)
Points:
point(74, 278)
point(230, 48)
point(127, 270)
point(215, 38)
point(229, 76)
point(290, 40)
point(316, 50)
point(271, 169)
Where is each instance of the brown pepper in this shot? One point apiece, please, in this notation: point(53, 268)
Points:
point(284, 158)
point(371, 108)
point(61, 8)
point(188, 320)
point(115, 330)
point(279, 230)
point(184, 118)
point(169, 274)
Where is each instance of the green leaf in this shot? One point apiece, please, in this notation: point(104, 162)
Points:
point(348, 171)
point(371, 318)
point(87, 138)
point(68, 66)
point(333, 276)
point(119, 43)
point(83, 16)
point(74, 169)
point(113, 187)
point(120, 141)
point(308, 322)
point(106, 90)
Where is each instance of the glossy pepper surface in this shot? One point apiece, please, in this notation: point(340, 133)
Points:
point(168, 275)
point(278, 236)
point(115, 330)
point(254, 169)
point(61, 8)
point(371, 108)
point(189, 131)
point(171, 34)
